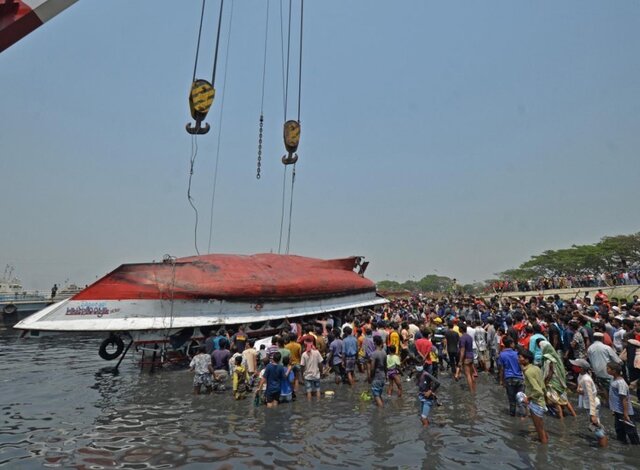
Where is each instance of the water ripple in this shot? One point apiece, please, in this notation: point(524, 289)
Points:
point(63, 408)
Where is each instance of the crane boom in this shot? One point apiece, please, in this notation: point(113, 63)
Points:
point(18, 18)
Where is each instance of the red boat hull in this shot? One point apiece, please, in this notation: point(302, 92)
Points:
point(267, 277)
point(210, 290)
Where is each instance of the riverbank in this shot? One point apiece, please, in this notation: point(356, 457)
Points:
point(620, 292)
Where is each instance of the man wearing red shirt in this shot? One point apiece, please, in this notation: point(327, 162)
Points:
point(308, 336)
point(524, 340)
point(423, 346)
point(602, 296)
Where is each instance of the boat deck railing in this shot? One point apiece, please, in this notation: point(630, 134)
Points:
point(35, 295)
point(25, 295)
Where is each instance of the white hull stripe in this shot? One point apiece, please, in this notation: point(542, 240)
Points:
point(131, 315)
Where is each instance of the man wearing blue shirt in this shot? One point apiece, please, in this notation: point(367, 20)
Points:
point(350, 347)
point(273, 376)
point(510, 373)
point(336, 354)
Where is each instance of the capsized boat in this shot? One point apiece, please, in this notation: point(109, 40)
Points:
point(182, 298)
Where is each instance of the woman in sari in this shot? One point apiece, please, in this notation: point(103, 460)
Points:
point(555, 379)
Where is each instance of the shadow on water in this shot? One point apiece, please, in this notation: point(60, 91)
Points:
point(61, 408)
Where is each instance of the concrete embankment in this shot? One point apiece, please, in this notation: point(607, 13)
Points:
point(620, 292)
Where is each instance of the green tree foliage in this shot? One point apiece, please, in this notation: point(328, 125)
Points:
point(429, 283)
point(388, 285)
point(610, 254)
point(433, 283)
point(475, 288)
point(614, 253)
point(517, 273)
point(623, 250)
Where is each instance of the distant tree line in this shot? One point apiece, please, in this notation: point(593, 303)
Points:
point(430, 283)
point(611, 254)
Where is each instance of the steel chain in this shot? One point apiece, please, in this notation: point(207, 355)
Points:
point(260, 146)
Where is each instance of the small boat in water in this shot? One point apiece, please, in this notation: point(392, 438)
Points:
point(16, 302)
point(177, 301)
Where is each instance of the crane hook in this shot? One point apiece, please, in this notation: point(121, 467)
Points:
point(200, 100)
point(291, 141)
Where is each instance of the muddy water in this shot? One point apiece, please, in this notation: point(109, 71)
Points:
point(60, 408)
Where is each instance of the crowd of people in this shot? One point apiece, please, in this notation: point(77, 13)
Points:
point(536, 348)
point(606, 279)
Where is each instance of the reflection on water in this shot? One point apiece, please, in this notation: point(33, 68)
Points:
point(62, 408)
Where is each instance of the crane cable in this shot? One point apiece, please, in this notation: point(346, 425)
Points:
point(192, 159)
point(194, 143)
point(264, 75)
point(293, 173)
point(300, 59)
point(286, 99)
point(194, 139)
point(195, 65)
point(224, 94)
point(215, 57)
point(285, 91)
point(286, 87)
point(284, 193)
point(293, 180)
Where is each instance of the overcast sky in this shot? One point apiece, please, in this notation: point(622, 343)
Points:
point(453, 137)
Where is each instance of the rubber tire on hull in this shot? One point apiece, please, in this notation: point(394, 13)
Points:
point(10, 309)
point(111, 341)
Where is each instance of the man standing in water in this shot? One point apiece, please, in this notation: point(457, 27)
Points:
point(273, 376)
point(534, 389)
point(201, 365)
point(423, 348)
point(311, 362)
point(336, 353)
point(295, 352)
point(589, 399)
point(620, 405)
point(427, 386)
point(466, 358)
point(510, 373)
point(350, 344)
point(452, 338)
point(250, 356)
point(378, 371)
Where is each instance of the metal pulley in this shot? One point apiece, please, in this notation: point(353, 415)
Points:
point(291, 141)
point(200, 100)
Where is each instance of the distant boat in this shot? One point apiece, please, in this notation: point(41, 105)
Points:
point(172, 302)
point(16, 302)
